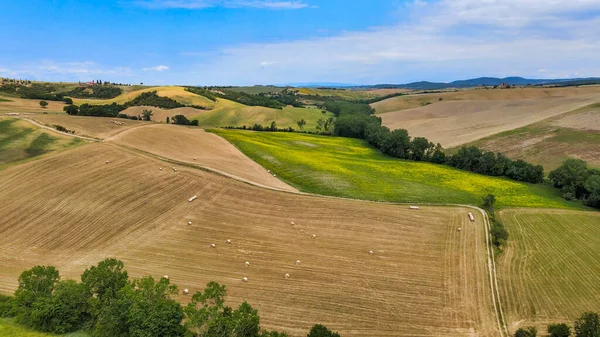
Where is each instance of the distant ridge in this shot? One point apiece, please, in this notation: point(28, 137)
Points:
point(487, 81)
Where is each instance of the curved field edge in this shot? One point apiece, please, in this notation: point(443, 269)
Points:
point(21, 141)
point(8, 328)
point(350, 168)
point(549, 271)
point(425, 277)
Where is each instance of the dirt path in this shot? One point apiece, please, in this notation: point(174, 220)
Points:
point(54, 130)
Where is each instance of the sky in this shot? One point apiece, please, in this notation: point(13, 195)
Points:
point(248, 42)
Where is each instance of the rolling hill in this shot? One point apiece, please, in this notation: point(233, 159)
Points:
point(426, 278)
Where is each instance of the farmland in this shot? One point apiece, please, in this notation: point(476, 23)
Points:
point(228, 113)
point(549, 272)
point(195, 146)
point(351, 168)
point(20, 140)
point(177, 93)
point(21, 105)
point(453, 123)
point(9, 328)
point(425, 278)
point(572, 135)
point(94, 127)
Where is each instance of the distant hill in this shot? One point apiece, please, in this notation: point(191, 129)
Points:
point(487, 81)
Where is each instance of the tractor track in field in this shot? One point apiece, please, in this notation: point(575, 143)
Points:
point(497, 303)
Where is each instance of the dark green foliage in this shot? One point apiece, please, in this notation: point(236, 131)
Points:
point(354, 125)
point(41, 91)
point(301, 123)
point(168, 120)
point(559, 330)
point(151, 98)
point(342, 108)
point(147, 115)
point(106, 279)
point(43, 104)
point(577, 182)
point(64, 311)
point(182, 120)
point(588, 325)
point(7, 306)
point(489, 201)
point(35, 285)
point(259, 127)
point(202, 92)
point(498, 231)
point(107, 110)
point(67, 100)
point(40, 144)
point(528, 332)
point(378, 99)
point(397, 144)
point(95, 91)
point(71, 109)
point(63, 129)
point(319, 330)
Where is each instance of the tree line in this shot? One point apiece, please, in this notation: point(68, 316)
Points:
point(587, 325)
point(577, 182)
point(107, 303)
point(95, 91)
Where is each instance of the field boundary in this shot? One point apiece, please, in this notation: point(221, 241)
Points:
point(497, 303)
point(43, 126)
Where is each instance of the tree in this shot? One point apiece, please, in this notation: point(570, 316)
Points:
point(397, 144)
point(168, 121)
point(438, 156)
point(273, 126)
point(588, 325)
point(559, 330)
point(529, 332)
point(71, 109)
point(488, 202)
point(301, 123)
point(147, 115)
point(106, 279)
point(205, 310)
point(43, 104)
point(319, 330)
point(592, 186)
point(419, 147)
point(67, 100)
point(320, 124)
point(181, 120)
point(35, 285)
point(570, 178)
point(246, 322)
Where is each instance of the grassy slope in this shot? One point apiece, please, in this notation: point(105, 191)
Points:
point(350, 168)
point(20, 141)
point(8, 328)
point(547, 143)
point(345, 94)
point(550, 271)
point(177, 93)
point(228, 113)
point(257, 89)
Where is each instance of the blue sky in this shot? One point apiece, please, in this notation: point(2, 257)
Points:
point(244, 42)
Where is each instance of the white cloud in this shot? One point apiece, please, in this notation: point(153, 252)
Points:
point(66, 71)
point(157, 68)
point(450, 39)
point(201, 4)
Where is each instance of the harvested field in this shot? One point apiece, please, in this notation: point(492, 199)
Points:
point(184, 144)
point(418, 100)
point(20, 140)
point(21, 105)
point(424, 279)
point(94, 127)
point(383, 92)
point(549, 272)
point(453, 123)
point(572, 135)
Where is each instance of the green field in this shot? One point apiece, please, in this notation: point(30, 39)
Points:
point(551, 141)
point(348, 167)
point(5, 100)
point(8, 328)
point(229, 113)
point(257, 89)
point(20, 140)
point(341, 93)
point(550, 271)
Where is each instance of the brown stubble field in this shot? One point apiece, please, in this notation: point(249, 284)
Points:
point(453, 123)
point(197, 147)
point(424, 279)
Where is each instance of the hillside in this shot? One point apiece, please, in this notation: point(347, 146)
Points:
point(93, 127)
point(453, 123)
point(550, 270)
point(348, 167)
point(197, 147)
point(549, 142)
point(21, 140)
point(73, 209)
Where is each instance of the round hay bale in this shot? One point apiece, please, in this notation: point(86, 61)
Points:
point(160, 168)
point(228, 241)
point(287, 276)
point(274, 175)
point(302, 231)
point(314, 236)
point(213, 245)
point(459, 229)
point(166, 276)
point(292, 223)
point(244, 279)
point(185, 291)
point(246, 263)
point(297, 262)
point(194, 158)
point(189, 222)
point(371, 252)
point(268, 171)
point(107, 161)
